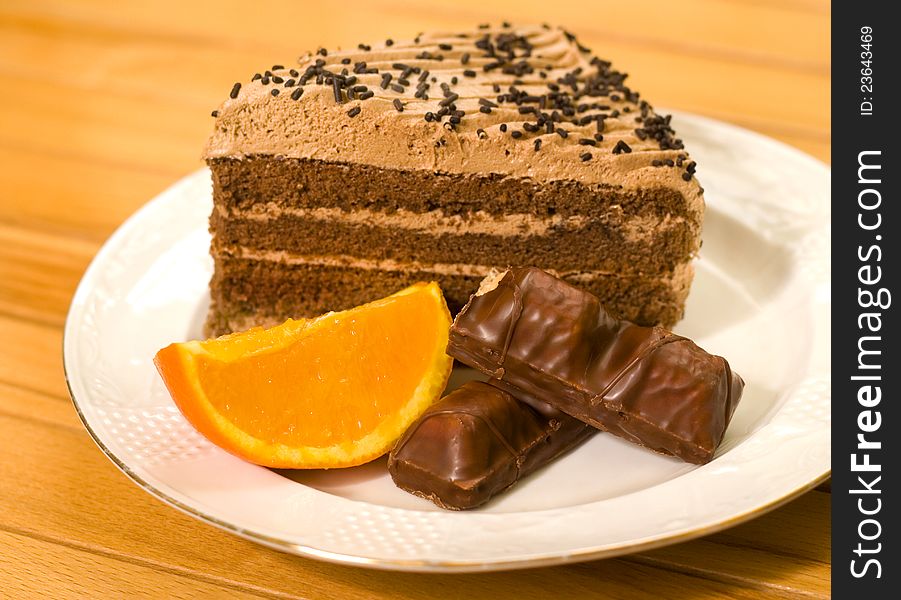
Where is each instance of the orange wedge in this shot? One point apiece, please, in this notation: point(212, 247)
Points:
point(335, 391)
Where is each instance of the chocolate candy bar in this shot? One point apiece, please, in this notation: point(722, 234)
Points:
point(478, 441)
point(543, 338)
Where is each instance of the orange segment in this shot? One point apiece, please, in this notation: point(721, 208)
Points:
point(334, 391)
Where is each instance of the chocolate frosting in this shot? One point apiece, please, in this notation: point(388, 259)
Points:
point(500, 81)
point(545, 339)
point(478, 441)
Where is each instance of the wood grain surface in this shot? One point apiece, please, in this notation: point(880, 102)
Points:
point(105, 103)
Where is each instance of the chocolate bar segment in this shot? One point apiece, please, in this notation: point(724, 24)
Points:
point(478, 441)
point(543, 338)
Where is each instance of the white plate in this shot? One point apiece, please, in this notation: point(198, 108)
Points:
point(761, 298)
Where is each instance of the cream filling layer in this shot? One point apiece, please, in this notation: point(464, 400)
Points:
point(438, 223)
point(678, 274)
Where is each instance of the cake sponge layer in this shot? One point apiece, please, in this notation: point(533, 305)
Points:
point(636, 246)
point(247, 292)
point(242, 183)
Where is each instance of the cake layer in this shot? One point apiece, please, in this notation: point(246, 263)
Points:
point(527, 102)
point(241, 184)
point(645, 246)
point(255, 290)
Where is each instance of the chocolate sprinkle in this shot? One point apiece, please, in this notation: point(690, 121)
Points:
point(586, 156)
point(537, 145)
point(354, 111)
point(235, 89)
point(621, 147)
point(398, 105)
point(274, 92)
point(296, 94)
point(215, 113)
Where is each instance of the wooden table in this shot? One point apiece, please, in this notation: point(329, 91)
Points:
point(106, 103)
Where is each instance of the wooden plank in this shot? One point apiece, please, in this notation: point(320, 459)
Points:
point(108, 129)
point(672, 80)
point(691, 26)
point(30, 357)
point(32, 568)
point(787, 535)
point(744, 567)
point(39, 273)
point(812, 6)
point(738, 554)
point(669, 78)
point(40, 193)
point(103, 510)
point(45, 409)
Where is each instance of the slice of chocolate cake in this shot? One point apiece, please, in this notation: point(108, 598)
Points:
point(358, 172)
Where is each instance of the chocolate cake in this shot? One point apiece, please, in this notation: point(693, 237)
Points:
point(358, 172)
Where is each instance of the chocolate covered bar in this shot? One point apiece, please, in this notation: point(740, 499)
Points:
point(478, 441)
point(545, 339)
